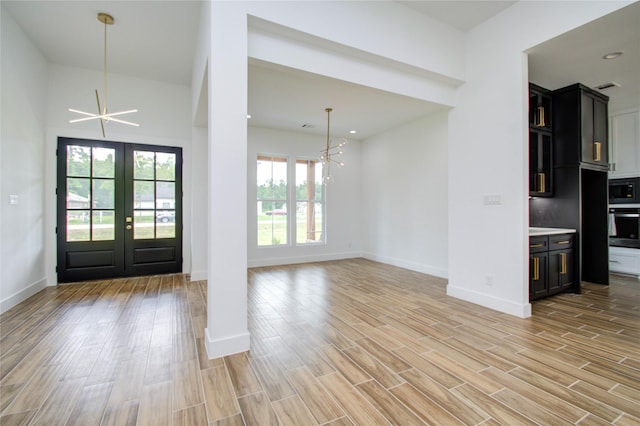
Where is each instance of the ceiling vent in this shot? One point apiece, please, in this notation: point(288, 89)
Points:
point(608, 85)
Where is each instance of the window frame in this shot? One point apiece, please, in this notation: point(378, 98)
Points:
point(260, 156)
point(322, 202)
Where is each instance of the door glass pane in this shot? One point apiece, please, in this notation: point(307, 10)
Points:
point(103, 162)
point(78, 196)
point(102, 225)
point(78, 225)
point(165, 224)
point(143, 225)
point(165, 166)
point(165, 195)
point(78, 161)
point(103, 193)
point(143, 195)
point(143, 165)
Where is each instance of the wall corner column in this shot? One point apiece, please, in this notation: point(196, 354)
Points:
point(227, 326)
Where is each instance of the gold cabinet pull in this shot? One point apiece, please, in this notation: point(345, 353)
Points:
point(541, 121)
point(536, 268)
point(563, 242)
point(535, 245)
point(563, 263)
point(542, 185)
point(597, 151)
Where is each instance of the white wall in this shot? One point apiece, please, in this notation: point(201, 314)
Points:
point(198, 210)
point(164, 115)
point(343, 199)
point(488, 153)
point(24, 90)
point(404, 187)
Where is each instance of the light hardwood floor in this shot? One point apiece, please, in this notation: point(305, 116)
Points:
point(352, 342)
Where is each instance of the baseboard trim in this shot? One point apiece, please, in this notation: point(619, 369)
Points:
point(198, 275)
point(255, 263)
point(491, 302)
point(412, 266)
point(22, 295)
point(217, 348)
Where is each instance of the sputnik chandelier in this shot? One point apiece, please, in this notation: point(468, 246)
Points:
point(332, 152)
point(103, 113)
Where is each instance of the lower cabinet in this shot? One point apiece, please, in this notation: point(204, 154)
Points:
point(551, 265)
point(624, 260)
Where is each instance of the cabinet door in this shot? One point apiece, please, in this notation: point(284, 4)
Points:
point(540, 177)
point(560, 270)
point(600, 132)
point(539, 108)
point(594, 129)
point(624, 145)
point(538, 266)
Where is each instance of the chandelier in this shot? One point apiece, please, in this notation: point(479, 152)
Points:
point(103, 112)
point(332, 152)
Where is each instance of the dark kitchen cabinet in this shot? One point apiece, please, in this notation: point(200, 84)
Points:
point(540, 103)
point(540, 164)
point(580, 127)
point(538, 262)
point(540, 142)
point(551, 265)
point(560, 263)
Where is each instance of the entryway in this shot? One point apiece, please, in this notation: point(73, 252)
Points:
point(119, 209)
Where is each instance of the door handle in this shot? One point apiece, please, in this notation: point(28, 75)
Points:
point(129, 227)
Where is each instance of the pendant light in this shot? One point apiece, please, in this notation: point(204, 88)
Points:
point(331, 153)
point(103, 112)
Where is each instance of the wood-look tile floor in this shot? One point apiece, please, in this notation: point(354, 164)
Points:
point(352, 342)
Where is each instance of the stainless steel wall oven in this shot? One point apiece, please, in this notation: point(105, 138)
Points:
point(624, 227)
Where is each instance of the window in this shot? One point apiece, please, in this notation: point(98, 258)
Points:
point(309, 202)
point(271, 185)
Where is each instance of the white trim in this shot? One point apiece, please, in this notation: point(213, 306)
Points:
point(226, 346)
point(22, 295)
point(498, 304)
point(276, 261)
point(407, 264)
point(198, 276)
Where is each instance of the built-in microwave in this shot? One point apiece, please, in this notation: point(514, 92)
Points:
point(624, 191)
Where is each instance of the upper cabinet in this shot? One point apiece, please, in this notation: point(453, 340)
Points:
point(540, 117)
point(625, 145)
point(540, 142)
point(580, 127)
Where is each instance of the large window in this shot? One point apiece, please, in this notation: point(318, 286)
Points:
point(271, 185)
point(309, 202)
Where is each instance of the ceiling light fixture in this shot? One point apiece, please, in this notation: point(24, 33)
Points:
point(330, 153)
point(612, 55)
point(103, 113)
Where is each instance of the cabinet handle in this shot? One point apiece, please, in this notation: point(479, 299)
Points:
point(535, 245)
point(541, 121)
point(541, 182)
point(563, 242)
point(563, 263)
point(597, 151)
point(536, 268)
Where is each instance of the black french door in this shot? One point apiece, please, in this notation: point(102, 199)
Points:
point(119, 210)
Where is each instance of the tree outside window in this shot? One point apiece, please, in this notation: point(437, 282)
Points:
point(309, 202)
point(271, 186)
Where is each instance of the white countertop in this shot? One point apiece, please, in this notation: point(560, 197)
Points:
point(533, 231)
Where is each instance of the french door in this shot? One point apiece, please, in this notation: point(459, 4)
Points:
point(119, 210)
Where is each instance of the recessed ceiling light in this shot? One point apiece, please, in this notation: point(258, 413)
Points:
point(353, 132)
point(248, 115)
point(612, 55)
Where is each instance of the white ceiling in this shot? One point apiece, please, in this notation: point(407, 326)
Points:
point(156, 40)
point(576, 56)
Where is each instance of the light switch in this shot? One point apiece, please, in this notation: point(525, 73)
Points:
point(13, 200)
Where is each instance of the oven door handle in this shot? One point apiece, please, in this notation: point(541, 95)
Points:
point(627, 214)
